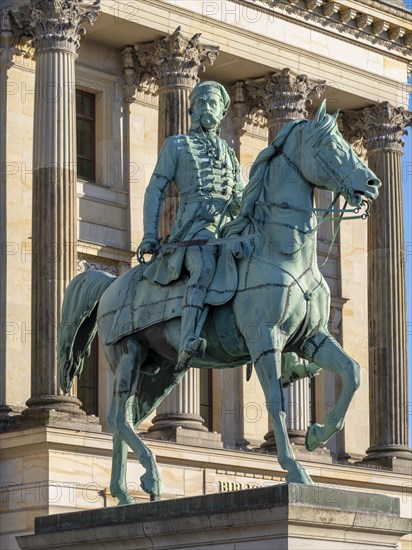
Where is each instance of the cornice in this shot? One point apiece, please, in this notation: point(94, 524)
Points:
point(372, 24)
point(397, 11)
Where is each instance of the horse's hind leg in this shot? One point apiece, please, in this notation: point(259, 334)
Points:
point(122, 420)
point(325, 351)
point(268, 369)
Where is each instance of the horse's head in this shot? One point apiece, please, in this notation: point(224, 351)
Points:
point(328, 161)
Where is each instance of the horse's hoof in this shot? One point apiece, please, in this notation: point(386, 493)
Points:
point(309, 440)
point(314, 437)
point(299, 475)
point(151, 485)
point(126, 499)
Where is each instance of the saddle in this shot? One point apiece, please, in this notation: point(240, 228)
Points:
point(143, 304)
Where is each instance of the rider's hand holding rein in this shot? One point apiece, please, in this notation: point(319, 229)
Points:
point(149, 245)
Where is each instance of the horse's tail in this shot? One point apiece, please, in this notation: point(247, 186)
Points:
point(78, 324)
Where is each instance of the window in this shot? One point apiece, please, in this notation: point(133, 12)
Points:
point(87, 385)
point(86, 131)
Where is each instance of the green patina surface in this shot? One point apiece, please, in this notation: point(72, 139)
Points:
point(280, 289)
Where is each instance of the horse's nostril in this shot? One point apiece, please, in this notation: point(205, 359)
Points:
point(373, 182)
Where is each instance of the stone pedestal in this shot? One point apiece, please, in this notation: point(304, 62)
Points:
point(47, 470)
point(281, 516)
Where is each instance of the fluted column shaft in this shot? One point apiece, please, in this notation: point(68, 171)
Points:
point(384, 127)
point(54, 208)
point(387, 312)
point(297, 405)
point(181, 407)
point(174, 63)
point(173, 119)
point(55, 31)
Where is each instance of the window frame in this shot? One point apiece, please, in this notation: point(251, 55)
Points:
point(92, 120)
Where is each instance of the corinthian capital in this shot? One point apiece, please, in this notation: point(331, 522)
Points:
point(284, 95)
point(175, 60)
point(381, 126)
point(55, 24)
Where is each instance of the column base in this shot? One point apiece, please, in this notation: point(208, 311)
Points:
point(61, 411)
point(397, 458)
point(297, 441)
point(167, 421)
point(184, 436)
point(388, 451)
point(187, 429)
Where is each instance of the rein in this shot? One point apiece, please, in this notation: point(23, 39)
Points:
point(168, 248)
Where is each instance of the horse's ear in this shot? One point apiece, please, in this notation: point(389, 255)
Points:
point(335, 115)
point(321, 113)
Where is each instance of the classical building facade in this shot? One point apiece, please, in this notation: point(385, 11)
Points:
point(89, 92)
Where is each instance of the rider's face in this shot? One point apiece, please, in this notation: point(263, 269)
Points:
point(208, 110)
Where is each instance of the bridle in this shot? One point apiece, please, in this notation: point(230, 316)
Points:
point(355, 212)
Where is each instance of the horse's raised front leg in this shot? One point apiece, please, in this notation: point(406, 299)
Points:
point(122, 421)
point(325, 351)
point(268, 369)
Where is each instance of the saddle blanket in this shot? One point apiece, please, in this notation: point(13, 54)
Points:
point(142, 304)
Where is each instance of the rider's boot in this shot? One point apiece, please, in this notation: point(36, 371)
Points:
point(201, 264)
point(191, 345)
point(195, 347)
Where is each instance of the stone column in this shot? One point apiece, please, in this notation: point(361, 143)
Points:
point(174, 63)
point(55, 29)
point(297, 404)
point(382, 126)
point(284, 96)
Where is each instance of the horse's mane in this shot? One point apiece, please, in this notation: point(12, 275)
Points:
point(257, 178)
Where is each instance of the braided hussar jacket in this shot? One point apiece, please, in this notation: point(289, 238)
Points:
point(207, 176)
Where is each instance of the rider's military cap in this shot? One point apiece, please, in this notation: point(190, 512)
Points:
point(210, 87)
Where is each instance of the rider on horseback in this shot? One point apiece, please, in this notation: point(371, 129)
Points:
point(207, 175)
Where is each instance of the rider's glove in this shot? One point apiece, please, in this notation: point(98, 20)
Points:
point(148, 245)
